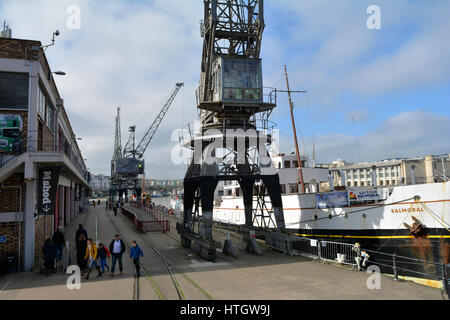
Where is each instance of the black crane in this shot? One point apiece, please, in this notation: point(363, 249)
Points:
point(127, 166)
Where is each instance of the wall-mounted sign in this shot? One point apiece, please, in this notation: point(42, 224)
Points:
point(48, 184)
point(369, 195)
point(77, 192)
point(3, 239)
point(11, 138)
point(331, 200)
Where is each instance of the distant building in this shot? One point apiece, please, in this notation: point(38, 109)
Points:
point(100, 183)
point(164, 183)
point(392, 172)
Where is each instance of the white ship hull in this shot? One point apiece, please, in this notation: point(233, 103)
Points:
point(373, 225)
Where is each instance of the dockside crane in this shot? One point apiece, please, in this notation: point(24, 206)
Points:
point(129, 164)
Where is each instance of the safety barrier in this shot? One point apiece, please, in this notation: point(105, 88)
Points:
point(342, 253)
point(353, 255)
point(155, 226)
point(158, 225)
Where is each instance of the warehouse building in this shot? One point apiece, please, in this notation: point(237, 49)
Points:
point(43, 177)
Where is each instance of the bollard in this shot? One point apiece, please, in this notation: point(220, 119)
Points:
point(445, 283)
point(395, 267)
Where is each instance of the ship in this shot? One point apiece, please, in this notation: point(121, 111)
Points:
point(409, 217)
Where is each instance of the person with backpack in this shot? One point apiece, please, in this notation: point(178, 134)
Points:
point(135, 254)
point(117, 248)
point(92, 257)
point(81, 237)
point(103, 254)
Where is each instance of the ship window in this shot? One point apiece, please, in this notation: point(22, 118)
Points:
point(287, 164)
point(283, 189)
point(295, 164)
point(293, 188)
point(229, 192)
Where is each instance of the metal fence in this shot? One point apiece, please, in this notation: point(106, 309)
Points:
point(353, 255)
point(159, 225)
point(155, 226)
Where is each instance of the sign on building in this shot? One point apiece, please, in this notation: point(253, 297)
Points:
point(369, 195)
point(48, 184)
point(78, 192)
point(11, 139)
point(332, 200)
point(3, 239)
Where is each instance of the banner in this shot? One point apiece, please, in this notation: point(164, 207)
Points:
point(77, 192)
point(11, 138)
point(48, 184)
point(369, 195)
point(332, 200)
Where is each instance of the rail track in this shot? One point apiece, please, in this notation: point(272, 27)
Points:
point(172, 270)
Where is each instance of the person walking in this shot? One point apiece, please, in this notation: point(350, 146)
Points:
point(115, 209)
point(103, 254)
point(91, 256)
point(49, 252)
point(117, 248)
point(81, 237)
point(93, 202)
point(135, 254)
point(59, 241)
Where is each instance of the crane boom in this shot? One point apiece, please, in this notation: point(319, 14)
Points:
point(118, 138)
point(138, 152)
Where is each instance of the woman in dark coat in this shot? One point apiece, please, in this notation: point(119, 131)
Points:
point(81, 251)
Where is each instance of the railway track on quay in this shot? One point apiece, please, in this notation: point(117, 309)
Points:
point(174, 272)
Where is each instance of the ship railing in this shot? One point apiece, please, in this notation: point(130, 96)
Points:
point(401, 266)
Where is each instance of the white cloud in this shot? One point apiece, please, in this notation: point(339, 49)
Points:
point(131, 53)
point(409, 134)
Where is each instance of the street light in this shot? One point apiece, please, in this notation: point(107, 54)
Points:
point(58, 73)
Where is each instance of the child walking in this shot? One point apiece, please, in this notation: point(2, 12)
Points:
point(103, 254)
point(92, 256)
point(135, 254)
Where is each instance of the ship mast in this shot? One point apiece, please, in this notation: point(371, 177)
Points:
point(297, 149)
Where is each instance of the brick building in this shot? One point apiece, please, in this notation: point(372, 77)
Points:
point(35, 132)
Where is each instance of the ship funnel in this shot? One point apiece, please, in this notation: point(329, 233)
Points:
point(374, 176)
point(413, 174)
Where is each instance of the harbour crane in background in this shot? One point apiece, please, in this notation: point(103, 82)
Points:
point(128, 164)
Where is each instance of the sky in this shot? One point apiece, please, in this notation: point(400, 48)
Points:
point(372, 94)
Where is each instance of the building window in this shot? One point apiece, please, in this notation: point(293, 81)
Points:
point(14, 90)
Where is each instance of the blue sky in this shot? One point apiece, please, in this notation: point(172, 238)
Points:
point(394, 82)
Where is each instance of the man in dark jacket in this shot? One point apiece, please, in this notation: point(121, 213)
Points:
point(59, 241)
point(49, 252)
point(117, 248)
